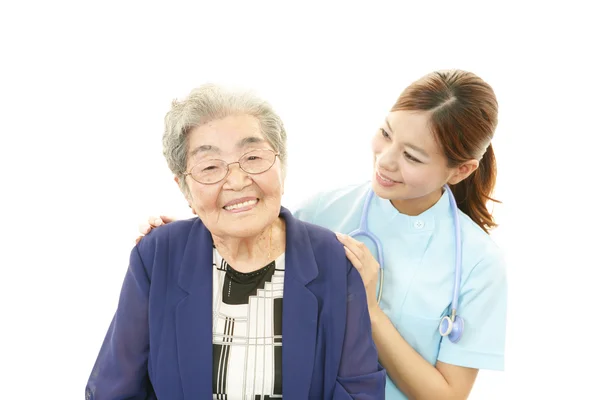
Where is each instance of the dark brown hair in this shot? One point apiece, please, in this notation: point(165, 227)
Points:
point(464, 115)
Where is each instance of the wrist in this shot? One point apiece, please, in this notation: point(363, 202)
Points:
point(376, 313)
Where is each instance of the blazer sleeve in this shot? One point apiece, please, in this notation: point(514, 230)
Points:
point(121, 369)
point(360, 375)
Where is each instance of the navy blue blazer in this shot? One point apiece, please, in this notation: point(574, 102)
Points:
point(159, 343)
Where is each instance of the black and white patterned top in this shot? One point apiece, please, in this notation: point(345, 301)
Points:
point(247, 311)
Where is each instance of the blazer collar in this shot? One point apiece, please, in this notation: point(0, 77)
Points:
point(298, 247)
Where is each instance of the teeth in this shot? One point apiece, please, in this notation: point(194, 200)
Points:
point(240, 205)
point(385, 179)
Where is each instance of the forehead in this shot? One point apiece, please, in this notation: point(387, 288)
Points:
point(413, 127)
point(224, 135)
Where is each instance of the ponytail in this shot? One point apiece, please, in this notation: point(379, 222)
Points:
point(473, 193)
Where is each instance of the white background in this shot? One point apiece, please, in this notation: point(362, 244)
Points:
point(84, 87)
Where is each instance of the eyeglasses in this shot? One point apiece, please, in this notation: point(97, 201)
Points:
point(254, 162)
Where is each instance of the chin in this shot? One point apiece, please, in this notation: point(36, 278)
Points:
point(400, 192)
point(389, 195)
point(240, 230)
point(245, 226)
point(384, 194)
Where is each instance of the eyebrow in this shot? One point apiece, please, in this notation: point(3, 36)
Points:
point(411, 146)
point(240, 145)
point(387, 124)
point(417, 149)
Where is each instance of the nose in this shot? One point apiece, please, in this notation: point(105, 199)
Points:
point(236, 178)
point(388, 160)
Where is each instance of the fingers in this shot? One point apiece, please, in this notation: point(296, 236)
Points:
point(367, 260)
point(155, 222)
point(144, 228)
point(352, 244)
point(353, 259)
point(166, 219)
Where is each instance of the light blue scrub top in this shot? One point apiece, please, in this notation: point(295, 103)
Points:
point(419, 275)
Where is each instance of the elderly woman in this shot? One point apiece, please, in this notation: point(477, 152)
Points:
point(245, 301)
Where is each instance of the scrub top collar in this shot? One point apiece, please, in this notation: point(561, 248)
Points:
point(424, 222)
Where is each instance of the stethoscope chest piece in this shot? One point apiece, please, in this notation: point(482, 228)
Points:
point(453, 330)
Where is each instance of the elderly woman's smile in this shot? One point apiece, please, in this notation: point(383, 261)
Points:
point(235, 177)
point(241, 205)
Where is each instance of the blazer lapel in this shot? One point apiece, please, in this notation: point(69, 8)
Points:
point(300, 311)
point(194, 315)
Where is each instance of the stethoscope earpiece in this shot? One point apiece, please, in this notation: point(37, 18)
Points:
point(445, 326)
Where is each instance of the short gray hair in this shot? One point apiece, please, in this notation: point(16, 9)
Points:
point(211, 102)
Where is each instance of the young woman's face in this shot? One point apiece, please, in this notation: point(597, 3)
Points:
point(409, 165)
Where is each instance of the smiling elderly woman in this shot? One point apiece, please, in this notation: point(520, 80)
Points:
point(245, 301)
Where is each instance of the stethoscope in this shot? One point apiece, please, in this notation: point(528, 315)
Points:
point(451, 325)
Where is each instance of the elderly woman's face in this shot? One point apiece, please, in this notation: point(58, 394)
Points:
point(241, 204)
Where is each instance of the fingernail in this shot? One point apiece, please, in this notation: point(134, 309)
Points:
point(158, 221)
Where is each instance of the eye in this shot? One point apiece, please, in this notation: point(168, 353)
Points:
point(208, 167)
point(384, 133)
point(411, 158)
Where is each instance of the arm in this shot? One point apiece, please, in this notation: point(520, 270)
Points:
point(360, 376)
point(121, 369)
point(482, 305)
point(415, 377)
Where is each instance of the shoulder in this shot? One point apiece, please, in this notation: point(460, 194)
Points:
point(165, 239)
point(327, 250)
point(322, 239)
point(175, 230)
point(335, 281)
point(331, 200)
point(481, 253)
point(346, 194)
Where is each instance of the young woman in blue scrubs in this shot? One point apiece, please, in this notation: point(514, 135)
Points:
point(438, 133)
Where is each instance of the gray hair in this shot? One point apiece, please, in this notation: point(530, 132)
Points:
point(211, 102)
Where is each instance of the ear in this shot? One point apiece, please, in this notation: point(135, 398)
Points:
point(463, 171)
point(176, 179)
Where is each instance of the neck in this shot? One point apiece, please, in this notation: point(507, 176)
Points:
point(419, 205)
point(251, 253)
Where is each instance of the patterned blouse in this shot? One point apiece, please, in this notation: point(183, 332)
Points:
point(247, 312)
